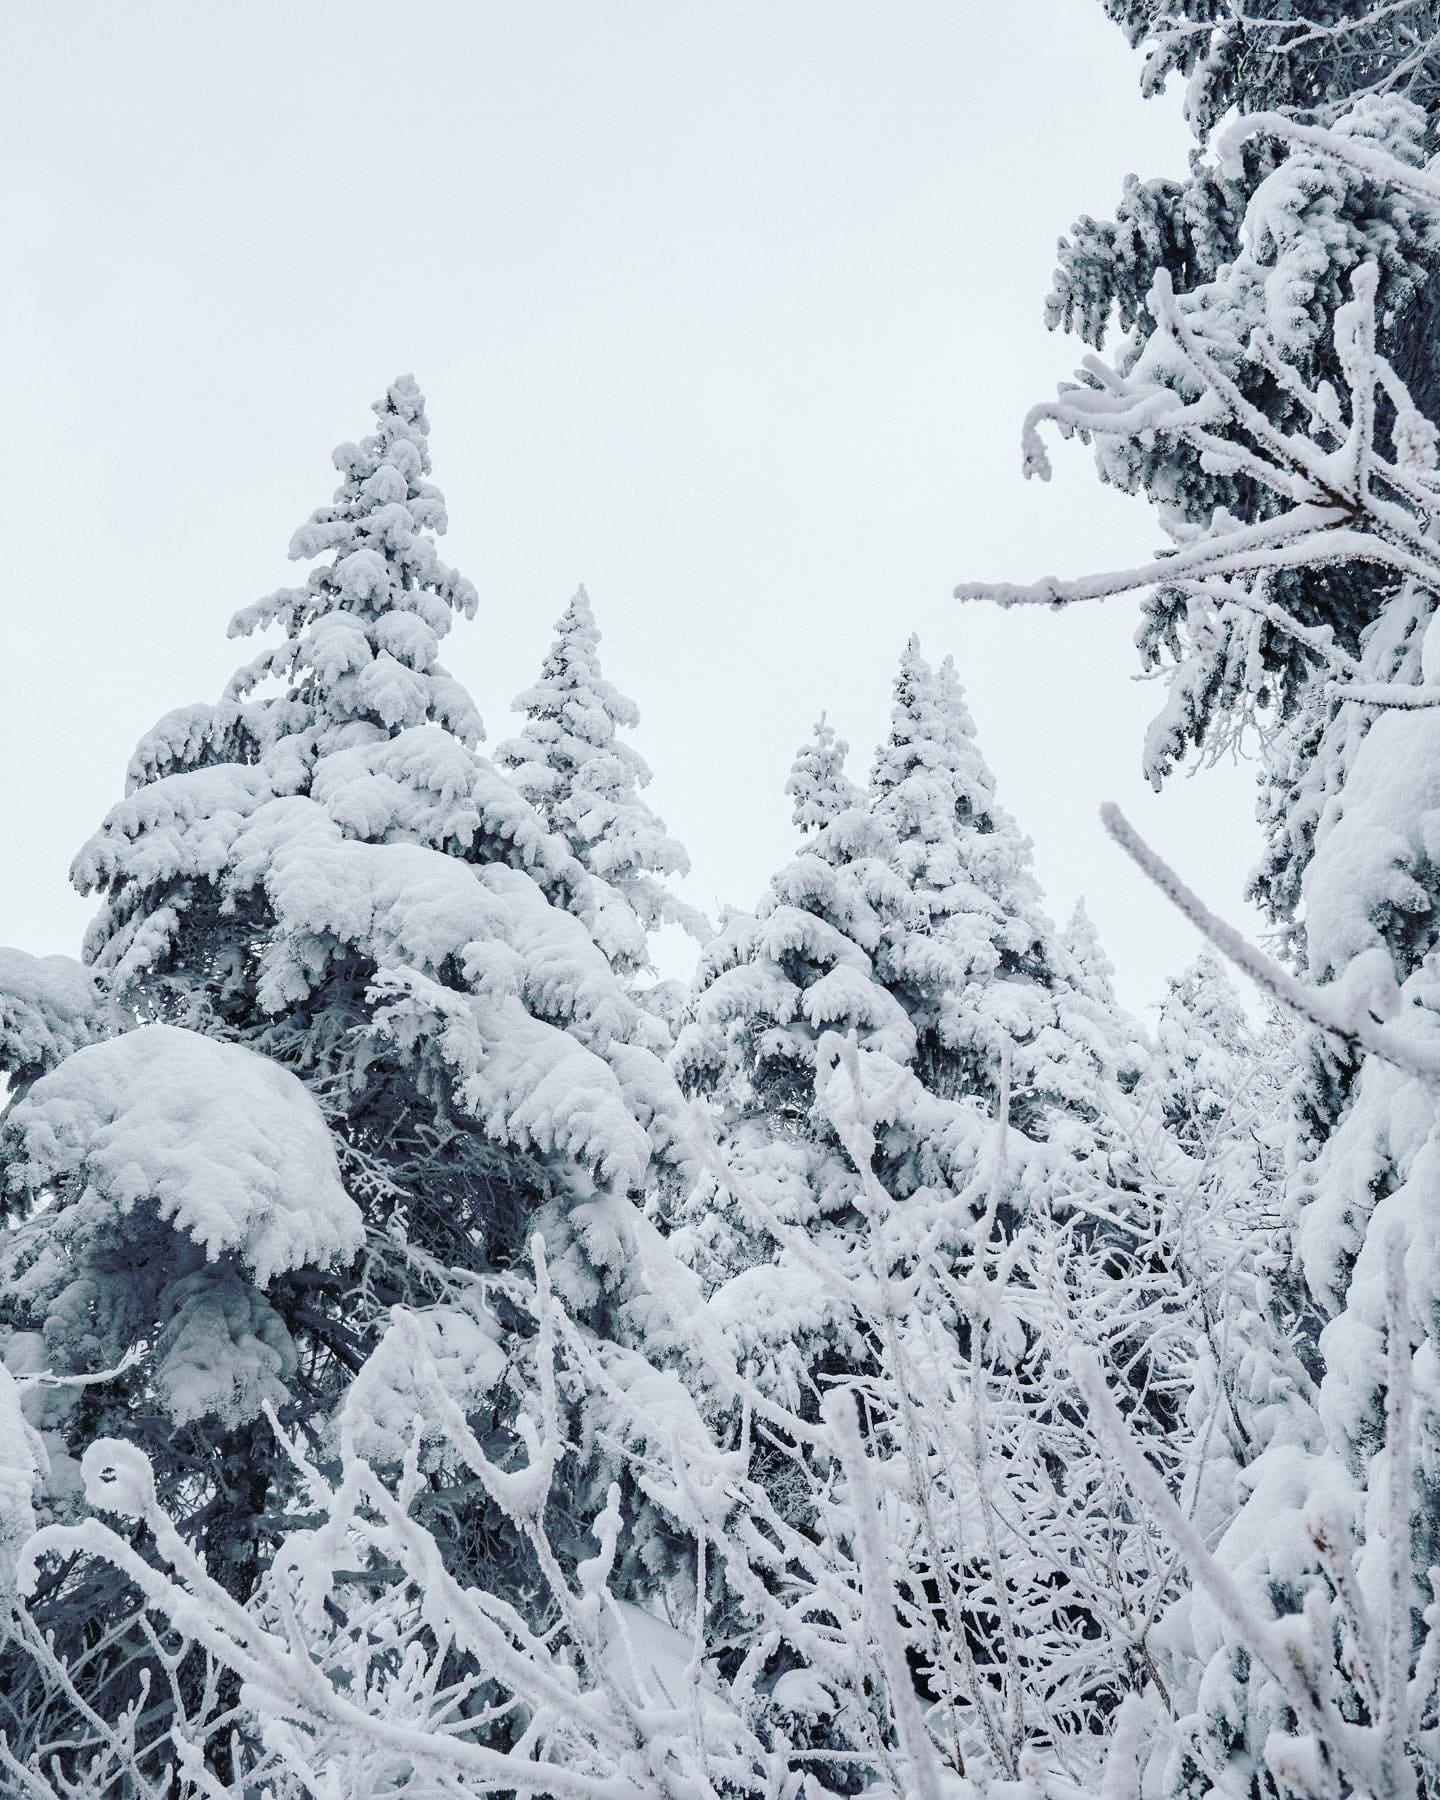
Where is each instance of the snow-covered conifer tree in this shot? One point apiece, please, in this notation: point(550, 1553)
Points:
point(962, 1151)
point(818, 786)
point(1095, 973)
point(1279, 254)
point(770, 985)
point(1204, 1051)
point(382, 1050)
point(585, 781)
point(1090, 975)
point(973, 961)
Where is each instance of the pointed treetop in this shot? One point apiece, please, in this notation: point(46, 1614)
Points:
point(585, 782)
point(1094, 971)
point(572, 709)
point(1205, 994)
point(974, 962)
point(932, 788)
point(930, 768)
point(1204, 1045)
point(362, 635)
point(1091, 1011)
point(817, 784)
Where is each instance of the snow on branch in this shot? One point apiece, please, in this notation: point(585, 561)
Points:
point(1348, 504)
point(1346, 1011)
point(1277, 1645)
point(1385, 693)
point(1338, 494)
point(840, 1416)
point(1354, 152)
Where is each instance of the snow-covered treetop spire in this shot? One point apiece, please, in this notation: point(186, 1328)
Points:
point(817, 784)
point(930, 766)
point(930, 784)
point(1094, 972)
point(978, 908)
point(362, 635)
point(1090, 1011)
point(1203, 1040)
point(585, 782)
point(572, 710)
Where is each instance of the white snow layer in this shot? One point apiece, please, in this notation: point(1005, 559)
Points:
point(49, 1006)
point(226, 1145)
point(23, 1466)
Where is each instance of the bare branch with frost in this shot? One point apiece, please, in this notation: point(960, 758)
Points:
point(1332, 1012)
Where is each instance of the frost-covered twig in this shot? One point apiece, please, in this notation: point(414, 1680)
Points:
point(1348, 505)
point(1350, 1023)
point(1277, 1649)
point(880, 1598)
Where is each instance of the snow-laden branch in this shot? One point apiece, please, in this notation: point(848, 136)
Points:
point(1318, 638)
point(1385, 693)
point(1343, 505)
point(1339, 1012)
point(1306, 538)
point(880, 1597)
point(1355, 153)
point(331, 1707)
point(1278, 1646)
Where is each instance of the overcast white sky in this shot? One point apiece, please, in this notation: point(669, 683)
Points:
point(730, 310)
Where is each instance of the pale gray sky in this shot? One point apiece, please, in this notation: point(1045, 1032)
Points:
point(730, 310)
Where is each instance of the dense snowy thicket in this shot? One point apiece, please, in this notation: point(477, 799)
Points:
point(1270, 383)
point(438, 1359)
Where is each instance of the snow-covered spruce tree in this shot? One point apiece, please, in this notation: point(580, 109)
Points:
point(1203, 1051)
point(894, 922)
point(1269, 416)
point(996, 1000)
point(381, 1050)
point(585, 782)
point(818, 786)
point(916, 921)
point(1118, 1043)
point(972, 959)
point(769, 986)
point(915, 1222)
